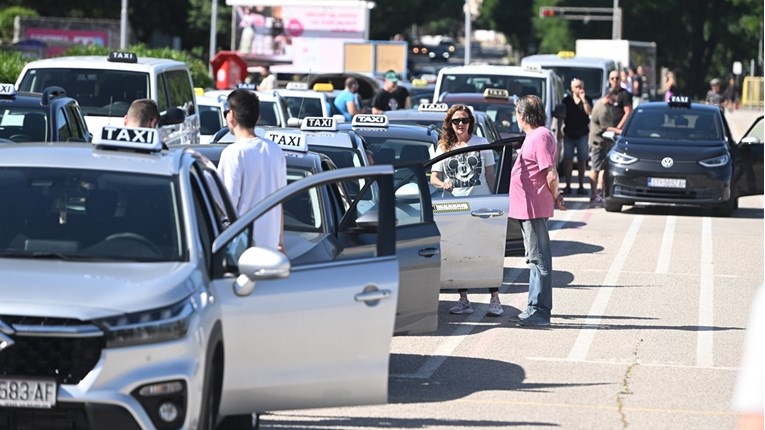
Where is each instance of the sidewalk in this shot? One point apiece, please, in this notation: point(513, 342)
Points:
point(740, 120)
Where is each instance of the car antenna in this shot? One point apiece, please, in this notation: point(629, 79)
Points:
point(302, 100)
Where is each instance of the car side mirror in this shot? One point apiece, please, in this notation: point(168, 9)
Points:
point(172, 116)
point(408, 193)
point(610, 135)
point(750, 140)
point(293, 122)
point(259, 263)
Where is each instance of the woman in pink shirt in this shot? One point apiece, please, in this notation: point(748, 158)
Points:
point(534, 195)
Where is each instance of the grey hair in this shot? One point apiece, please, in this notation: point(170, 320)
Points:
point(531, 110)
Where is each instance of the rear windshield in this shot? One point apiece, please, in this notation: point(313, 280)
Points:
point(592, 77)
point(517, 85)
point(99, 92)
point(673, 124)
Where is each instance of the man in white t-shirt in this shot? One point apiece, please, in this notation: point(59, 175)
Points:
point(252, 168)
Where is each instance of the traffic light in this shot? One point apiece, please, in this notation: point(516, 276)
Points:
point(546, 12)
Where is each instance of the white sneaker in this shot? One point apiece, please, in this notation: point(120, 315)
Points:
point(495, 307)
point(462, 307)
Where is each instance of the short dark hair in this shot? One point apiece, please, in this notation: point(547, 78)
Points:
point(245, 106)
point(350, 81)
point(531, 110)
point(142, 111)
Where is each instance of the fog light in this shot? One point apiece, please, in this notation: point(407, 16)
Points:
point(168, 412)
point(161, 389)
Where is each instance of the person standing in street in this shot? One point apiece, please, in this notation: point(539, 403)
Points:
point(390, 97)
point(575, 132)
point(534, 196)
point(622, 107)
point(348, 101)
point(600, 122)
point(267, 79)
point(252, 168)
point(731, 95)
point(714, 95)
point(467, 174)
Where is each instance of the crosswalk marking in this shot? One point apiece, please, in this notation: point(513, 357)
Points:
point(704, 345)
point(665, 252)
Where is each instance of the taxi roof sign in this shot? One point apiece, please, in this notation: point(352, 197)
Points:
point(433, 107)
point(247, 86)
point(680, 101)
point(7, 90)
point(288, 141)
point(318, 123)
point(323, 86)
point(370, 120)
point(122, 57)
point(566, 54)
point(297, 85)
point(139, 138)
point(496, 93)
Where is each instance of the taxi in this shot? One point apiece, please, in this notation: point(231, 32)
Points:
point(134, 297)
point(475, 226)
point(497, 103)
point(211, 118)
point(49, 116)
point(274, 109)
point(105, 86)
point(433, 114)
point(682, 153)
point(304, 102)
point(311, 221)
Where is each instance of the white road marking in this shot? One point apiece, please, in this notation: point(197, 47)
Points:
point(586, 335)
point(629, 361)
point(704, 345)
point(665, 252)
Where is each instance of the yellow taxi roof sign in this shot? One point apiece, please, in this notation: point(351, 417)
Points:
point(323, 86)
point(566, 54)
point(198, 91)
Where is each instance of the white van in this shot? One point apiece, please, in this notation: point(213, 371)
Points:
point(105, 86)
point(593, 71)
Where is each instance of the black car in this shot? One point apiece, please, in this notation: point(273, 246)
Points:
point(49, 116)
point(680, 152)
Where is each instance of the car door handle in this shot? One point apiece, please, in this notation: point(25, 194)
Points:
point(487, 213)
point(428, 252)
point(372, 295)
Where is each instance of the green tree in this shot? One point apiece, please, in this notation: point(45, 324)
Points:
point(198, 29)
point(11, 63)
point(8, 15)
point(553, 34)
point(510, 21)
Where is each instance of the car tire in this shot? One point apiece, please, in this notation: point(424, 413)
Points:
point(726, 209)
point(239, 422)
point(612, 205)
point(209, 413)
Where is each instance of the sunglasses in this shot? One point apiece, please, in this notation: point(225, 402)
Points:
point(225, 112)
point(456, 121)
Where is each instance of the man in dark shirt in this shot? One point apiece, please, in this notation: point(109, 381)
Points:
point(620, 109)
point(391, 96)
point(575, 134)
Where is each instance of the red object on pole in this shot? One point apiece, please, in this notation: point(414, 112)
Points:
point(229, 69)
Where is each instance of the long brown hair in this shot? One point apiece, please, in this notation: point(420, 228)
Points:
point(448, 137)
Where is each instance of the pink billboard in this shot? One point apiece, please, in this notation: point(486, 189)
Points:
point(59, 40)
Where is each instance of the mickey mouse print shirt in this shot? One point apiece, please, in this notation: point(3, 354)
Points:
point(467, 171)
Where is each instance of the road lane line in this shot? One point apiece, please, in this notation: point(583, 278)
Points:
point(586, 335)
point(628, 362)
point(665, 252)
point(704, 345)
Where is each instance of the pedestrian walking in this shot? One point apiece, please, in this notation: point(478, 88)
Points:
point(715, 95)
point(575, 133)
point(731, 95)
point(670, 85)
point(622, 107)
point(600, 122)
point(534, 195)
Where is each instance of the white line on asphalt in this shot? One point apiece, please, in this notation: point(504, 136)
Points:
point(629, 361)
point(665, 252)
point(704, 345)
point(584, 339)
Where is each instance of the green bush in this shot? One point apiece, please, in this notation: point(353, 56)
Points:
point(11, 63)
point(7, 16)
point(199, 71)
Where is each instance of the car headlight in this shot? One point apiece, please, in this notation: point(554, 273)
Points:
point(719, 161)
point(620, 158)
point(156, 325)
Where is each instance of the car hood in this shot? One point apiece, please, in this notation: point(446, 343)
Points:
point(650, 149)
point(87, 290)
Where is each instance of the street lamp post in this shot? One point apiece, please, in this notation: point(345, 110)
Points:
point(213, 32)
point(468, 30)
point(123, 25)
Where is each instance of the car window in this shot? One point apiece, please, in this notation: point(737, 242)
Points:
point(75, 122)
point(675, 124)
point(268, 114)
point(23, 125)
point(180, 91)
point(302, 107)
point(162, 101)
point(90, 214)
point(64, 133)
point(99, 92)
point(303, 211)
point(473, 172)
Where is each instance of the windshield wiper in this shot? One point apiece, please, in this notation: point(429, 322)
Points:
point(44, 255)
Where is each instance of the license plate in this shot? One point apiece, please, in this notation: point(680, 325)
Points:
point(27, 393)
point(666, 183)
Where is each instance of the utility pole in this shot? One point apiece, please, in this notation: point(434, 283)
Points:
point(123, 25)
point(468, 30)
point(616, 30)
point(213, 32)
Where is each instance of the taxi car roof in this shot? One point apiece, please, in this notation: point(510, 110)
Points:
point(469, 98)
point(557, 60)
point(487, 69)
point(400, 130)
point(304, 160)
point(100, 62)
point(665, 106)
point(88, 156)
point(414, 114)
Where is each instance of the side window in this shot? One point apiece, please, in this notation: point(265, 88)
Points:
point(180, 91)
point(224, 212)
point(472, 173)
point(204, 219)
point(64, 133)
point(77, 129)
point(162, 102)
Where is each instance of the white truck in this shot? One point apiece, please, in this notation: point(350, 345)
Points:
point(625, 53)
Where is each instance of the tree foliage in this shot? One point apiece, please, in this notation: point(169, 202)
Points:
point(11, 64)
point(7, 17)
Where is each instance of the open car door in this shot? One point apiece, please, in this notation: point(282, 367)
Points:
point(748, 161)
point(315, 335)
point(473, 228)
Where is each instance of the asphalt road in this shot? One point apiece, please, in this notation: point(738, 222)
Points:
point(650, 312)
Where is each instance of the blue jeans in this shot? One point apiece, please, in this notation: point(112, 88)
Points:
point(536, 240)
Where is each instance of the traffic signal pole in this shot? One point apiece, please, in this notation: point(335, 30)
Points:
point(587, 14)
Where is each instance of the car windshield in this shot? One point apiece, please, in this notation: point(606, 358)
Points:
point(593, 78)
point(23, 125)
point(474, 83)
point(302, 107)
point(269, 114)
point(76, 214)
point(99, 92)
point(674, 124)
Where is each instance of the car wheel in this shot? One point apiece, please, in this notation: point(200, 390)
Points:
point(612, 205)
point(726, 209)
point(209, 413)
point(237, 422)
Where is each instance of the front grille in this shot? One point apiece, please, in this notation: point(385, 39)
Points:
point(64, 357)
point(68, 416)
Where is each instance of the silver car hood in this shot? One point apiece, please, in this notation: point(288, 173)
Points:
point(87, 290)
